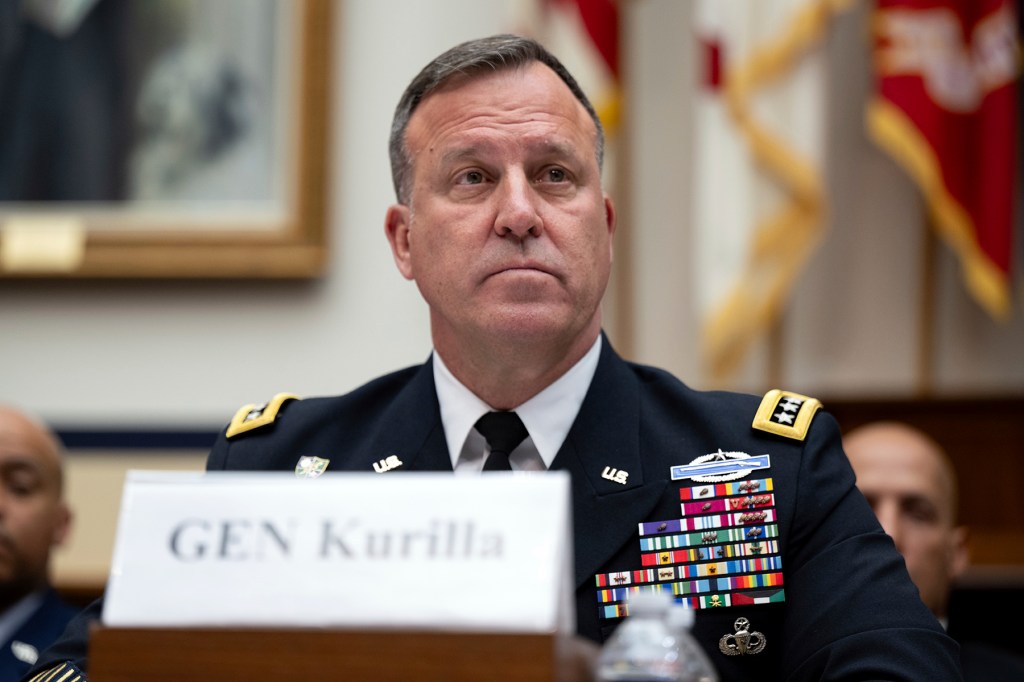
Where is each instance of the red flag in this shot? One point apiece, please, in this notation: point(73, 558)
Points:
point(584, 34)
point(601, 20)
point(945, 109)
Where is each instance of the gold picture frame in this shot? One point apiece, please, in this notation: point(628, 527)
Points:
point(165, 238)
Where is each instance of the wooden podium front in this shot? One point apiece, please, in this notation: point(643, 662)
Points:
point(198, 655)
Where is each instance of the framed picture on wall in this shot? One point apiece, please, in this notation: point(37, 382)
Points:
point(164, 139)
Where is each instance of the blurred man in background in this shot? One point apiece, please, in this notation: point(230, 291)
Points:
point(33, 520)
point(910, 482)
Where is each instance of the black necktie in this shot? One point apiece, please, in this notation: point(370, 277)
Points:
point(504, 431)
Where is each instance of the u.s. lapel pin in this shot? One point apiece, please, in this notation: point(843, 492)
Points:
point(387, 464)
point(615, 475)
point(311, 467)
point(717, 467)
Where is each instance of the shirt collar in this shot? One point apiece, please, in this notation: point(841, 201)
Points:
point(548, 416)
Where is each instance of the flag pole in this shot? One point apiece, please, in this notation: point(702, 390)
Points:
point(926, 316)
point(776, 344)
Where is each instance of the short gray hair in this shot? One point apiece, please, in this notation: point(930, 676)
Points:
point(467, 59)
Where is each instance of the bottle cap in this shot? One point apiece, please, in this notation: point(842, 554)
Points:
point(648, 603)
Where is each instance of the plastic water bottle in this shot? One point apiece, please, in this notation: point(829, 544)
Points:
point(654, 644)
point(694, 664)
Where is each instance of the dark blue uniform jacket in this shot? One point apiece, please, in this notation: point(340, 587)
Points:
point(850, 610)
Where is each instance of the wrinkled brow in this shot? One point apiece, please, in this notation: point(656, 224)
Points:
point(546, 148)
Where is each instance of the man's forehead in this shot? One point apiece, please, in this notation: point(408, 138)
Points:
point(43, 465)
point(21, 438)
point(14, 460)
point(903, 472)
point(469, 147)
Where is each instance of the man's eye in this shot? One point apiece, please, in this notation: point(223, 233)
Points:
point(555, 175)
point(21, 486)
point(471, 178)
point(922, 513)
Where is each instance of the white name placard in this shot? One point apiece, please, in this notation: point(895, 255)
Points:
point(417, 550)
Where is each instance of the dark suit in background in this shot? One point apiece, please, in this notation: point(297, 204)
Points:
point(40, 630)
point(983, 662)
point(65, 106)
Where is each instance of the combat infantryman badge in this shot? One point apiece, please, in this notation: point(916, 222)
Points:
point(311, 467)
point(743, 642)
point(720, 466)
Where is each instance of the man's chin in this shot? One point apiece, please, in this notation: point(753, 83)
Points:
point(529, 327)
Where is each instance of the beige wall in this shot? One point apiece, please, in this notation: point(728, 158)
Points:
point(93, 484)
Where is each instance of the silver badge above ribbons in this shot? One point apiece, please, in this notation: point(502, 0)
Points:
point(720, 466)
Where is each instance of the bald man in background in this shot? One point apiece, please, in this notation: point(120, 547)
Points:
point(911, 485)
point(33, 520)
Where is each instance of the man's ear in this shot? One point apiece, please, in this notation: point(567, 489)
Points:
point(959, 552)
point(396, 226)
point(61, 525)
point(609, 216)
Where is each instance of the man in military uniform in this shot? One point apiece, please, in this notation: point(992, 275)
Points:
point(910, 483)
point(34, 519)
point(745, 509)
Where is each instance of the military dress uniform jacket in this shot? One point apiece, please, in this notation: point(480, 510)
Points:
point(850, 610)
point(39, 631)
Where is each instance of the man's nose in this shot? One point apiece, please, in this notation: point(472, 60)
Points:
point(517, 208)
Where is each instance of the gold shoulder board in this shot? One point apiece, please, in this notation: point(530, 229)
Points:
point(786, 414)
point(65, 672)
point(251, 417)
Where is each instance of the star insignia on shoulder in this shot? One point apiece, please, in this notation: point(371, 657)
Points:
point(786, 414)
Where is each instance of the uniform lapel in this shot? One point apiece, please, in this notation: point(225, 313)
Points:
point(412, 427)
point(601, 453)
point(602, 445)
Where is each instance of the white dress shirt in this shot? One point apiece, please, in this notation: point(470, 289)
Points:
point(548, 416)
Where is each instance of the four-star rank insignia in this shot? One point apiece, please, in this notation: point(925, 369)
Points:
point(786, 414)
